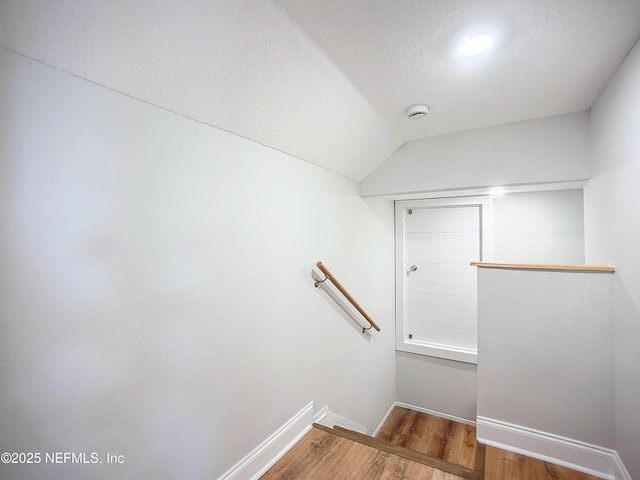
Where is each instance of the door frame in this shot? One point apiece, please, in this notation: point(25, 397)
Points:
point(403, 343)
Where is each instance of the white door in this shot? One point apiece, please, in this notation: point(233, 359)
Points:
point(439, 294)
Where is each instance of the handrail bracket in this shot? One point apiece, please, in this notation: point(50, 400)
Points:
point(329, 276)
point(318, 282)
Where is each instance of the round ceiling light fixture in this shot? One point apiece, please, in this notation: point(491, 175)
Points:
point(475, 45)
point(417, 111)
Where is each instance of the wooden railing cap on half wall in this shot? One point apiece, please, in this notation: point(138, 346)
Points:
point(547, 266)
point(329, 276)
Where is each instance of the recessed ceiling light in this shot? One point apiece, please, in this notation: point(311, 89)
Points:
point(475, 45)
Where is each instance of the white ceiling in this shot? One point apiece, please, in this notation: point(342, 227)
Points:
point(328, 80)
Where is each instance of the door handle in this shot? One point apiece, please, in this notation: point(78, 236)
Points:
point(413, 268)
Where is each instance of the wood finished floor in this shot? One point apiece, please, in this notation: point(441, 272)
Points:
point(324, 456)
point(451, 441)
point(321, 455)
point(456, 443)
point(503, 465)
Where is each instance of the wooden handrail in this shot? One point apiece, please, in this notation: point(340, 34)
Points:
point(346, 294)
point(546, 266)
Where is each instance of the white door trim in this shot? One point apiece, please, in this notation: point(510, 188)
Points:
point(403, 343)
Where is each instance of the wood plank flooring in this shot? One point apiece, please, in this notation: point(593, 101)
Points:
point(456, 443)
point(435, 462)
point(322, 455)
point(451, 441)
point(504, 465)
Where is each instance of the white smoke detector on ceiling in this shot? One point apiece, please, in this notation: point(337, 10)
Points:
point(417, 111)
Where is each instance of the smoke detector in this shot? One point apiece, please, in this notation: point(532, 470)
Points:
point(415, 112)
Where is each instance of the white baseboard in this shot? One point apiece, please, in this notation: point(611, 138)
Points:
point(321, 415)
point(435, 413)
point(265, 455)
point(384, 419)
point(621, 471)
point(423, 410)
point(591, 459)
point(330, 419)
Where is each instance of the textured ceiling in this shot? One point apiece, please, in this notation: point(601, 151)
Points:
point(328, 80)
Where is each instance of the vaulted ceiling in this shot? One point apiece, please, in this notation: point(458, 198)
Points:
point(328, 80)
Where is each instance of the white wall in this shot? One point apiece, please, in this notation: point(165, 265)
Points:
point(612, 234)
point(156, 298)
point(437, 384)
point(545, 357)
point(539, 227)
point(542, 227)
point(553, 149)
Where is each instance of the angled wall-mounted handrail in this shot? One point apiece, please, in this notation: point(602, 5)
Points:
point(329, 276)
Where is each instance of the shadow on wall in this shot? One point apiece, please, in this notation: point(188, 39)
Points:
point(437, 384)
point(378, 207)
point(626, 357)
point(340, 305)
